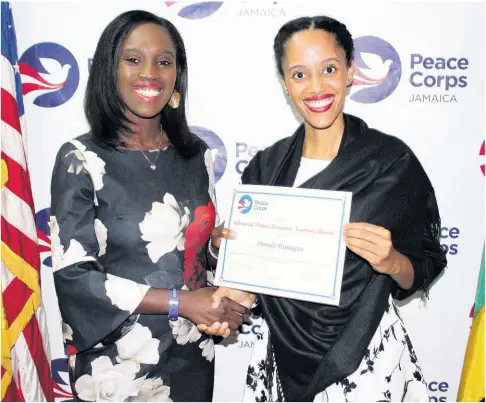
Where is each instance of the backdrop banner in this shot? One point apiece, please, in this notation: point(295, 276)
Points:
point(419, 76)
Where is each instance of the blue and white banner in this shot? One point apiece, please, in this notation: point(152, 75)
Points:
point(419, 76)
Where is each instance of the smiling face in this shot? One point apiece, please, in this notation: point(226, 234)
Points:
point(316, 76)
point(146, 71)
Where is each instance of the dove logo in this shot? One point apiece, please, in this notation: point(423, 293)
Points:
point(195, 10)
point(377, 70)
point(50, 72)
point(42, 219)
point(245, 204)
point(218, 150)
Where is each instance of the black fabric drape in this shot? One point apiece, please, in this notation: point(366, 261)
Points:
point(316, 345)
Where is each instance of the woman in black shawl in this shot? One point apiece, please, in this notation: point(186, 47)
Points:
point(359, 350)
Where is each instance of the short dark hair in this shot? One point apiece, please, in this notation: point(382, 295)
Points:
point(337, 29)
point(103, 106)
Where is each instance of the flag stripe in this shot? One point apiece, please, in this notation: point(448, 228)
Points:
point(20, 395)
point(479, 302)
point(26, 372)
point(17, 293)
point(7, 277)
point(471, 388)
point(7, 70)
point(27, 375)
point(17, 179)
point(18, 213)
point(34, 342)
point(13, 145)
point(10, 113)
point(20, 244)
point(44, 341)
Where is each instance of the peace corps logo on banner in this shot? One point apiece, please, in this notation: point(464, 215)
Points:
point(218, 150)
point(245, 204)
point(194, 10)
point(377, 70)
point(51, 72)
point(42, 219)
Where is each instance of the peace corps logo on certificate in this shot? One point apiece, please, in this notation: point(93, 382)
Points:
point(245, 204)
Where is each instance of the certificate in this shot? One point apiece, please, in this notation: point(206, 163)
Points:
point(289, 243)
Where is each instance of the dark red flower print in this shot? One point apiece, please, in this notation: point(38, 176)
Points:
point(197, 234)
point(70, 350)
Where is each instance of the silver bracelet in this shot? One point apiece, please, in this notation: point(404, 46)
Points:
point(212, 250)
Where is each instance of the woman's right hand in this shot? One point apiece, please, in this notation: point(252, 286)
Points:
point(221, 328)
point(197, 306)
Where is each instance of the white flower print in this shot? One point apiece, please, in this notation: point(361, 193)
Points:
point(207, 347)
point(139, 346)
point(184, 331)
point(74, 254)
point(163, 227)
point(88, 160)
point(108, 382)
point(123, 293)
point(101, 235)
point(67, 332)
point(57, 249)
point(153, 390)
point(208, 161)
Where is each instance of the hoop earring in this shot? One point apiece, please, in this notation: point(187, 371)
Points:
point(175, 100)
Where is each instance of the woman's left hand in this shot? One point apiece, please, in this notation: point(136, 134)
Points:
point(374, 244)
point(218, 233)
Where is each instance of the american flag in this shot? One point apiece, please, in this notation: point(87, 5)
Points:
point(25, 368)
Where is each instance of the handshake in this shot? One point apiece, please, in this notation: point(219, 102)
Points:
point(229, 306)
point(217, 311)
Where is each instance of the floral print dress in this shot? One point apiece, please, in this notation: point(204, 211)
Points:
point(119, 228)
point(389, 371)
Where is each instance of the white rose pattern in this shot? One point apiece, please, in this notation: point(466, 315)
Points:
point(108, 382)
point(165, 238)
point(67, 332)
point(57, 249)
point(123, 293)
point(88, 160)
point(207, 347)
point(153, 390)
point(74, 254)
point(184, 331)
point(138, 345)
point(101, 235)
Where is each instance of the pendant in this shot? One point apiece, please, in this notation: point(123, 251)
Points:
point(152, 167)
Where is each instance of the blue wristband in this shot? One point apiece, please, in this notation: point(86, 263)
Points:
point(173, 304)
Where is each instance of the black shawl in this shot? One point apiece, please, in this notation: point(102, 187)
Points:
point(316, 345)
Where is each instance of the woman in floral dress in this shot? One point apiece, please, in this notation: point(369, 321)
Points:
point(132, 211)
